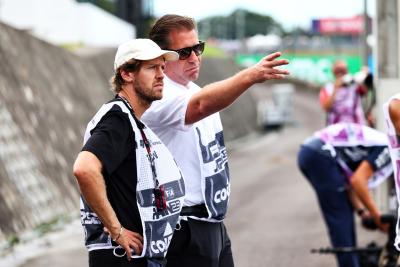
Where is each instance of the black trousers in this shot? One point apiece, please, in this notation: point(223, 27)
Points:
point(200, 244)
point(329, 184)
point(106, 258)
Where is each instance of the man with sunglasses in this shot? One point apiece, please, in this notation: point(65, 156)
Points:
point(342, 98)
point(187, 120)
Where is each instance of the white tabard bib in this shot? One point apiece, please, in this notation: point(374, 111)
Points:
point(157, 226)
point(394, 147)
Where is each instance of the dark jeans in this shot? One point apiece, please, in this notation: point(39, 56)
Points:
point(106, 258)
point(329, 183)
point(200, 244)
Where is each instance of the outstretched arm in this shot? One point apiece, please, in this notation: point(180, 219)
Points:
point(87, 170)
point(219, 95)
point(327, 100)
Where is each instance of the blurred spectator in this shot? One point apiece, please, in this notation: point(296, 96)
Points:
point(391, 110)
point(341, 162)
point(342, 98)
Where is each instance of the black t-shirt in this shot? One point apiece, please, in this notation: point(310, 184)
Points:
point(113, 143)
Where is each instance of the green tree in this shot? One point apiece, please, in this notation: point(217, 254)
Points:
point(241, 23)
point(107, 5)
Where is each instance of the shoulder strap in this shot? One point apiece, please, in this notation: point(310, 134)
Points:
point(146, 142)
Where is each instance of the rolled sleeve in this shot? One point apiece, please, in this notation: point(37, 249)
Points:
point(378, 157)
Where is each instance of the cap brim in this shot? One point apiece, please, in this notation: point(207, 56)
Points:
point(168, 55)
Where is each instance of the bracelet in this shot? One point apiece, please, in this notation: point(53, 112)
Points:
point(360, 212)
point(119, 234)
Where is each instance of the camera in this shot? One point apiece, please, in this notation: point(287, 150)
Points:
point(362, 77)
point(347, 80)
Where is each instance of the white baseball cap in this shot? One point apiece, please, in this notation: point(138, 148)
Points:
point(141, 49)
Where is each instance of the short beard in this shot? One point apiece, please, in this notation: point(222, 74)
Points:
point(144, 98)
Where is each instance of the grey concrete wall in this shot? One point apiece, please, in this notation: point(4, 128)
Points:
point(47, 95)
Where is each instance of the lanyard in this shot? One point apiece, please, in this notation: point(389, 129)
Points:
point(146, 142)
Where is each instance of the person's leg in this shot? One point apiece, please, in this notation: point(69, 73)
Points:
point(177, 251)
point(338, 215)
point(100, 258)
point(329, 184)
point(106, 258)
point(197, 244)
point(226, 257)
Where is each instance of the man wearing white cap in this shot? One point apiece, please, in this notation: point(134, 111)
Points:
point(132, 190)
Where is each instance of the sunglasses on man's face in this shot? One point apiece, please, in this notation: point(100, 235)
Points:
point(185, 53)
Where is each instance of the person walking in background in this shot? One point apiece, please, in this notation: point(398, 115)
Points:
point(342, 99)
point(391, 111)
point(341, 161)
point(129, 182)
point(187, 120)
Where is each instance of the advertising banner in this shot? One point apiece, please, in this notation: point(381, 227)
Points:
point(311, 68)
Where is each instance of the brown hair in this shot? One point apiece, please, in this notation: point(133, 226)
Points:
point(117, 81)
point(160, 31)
